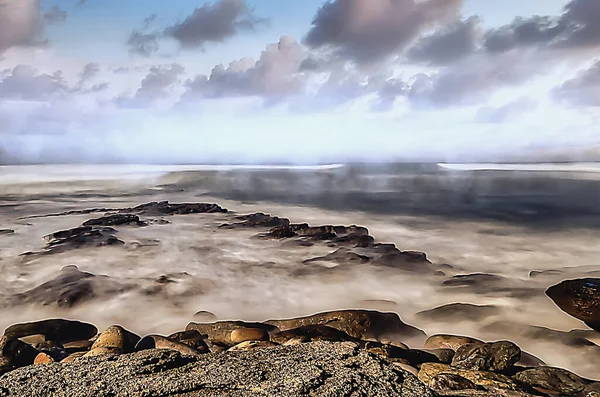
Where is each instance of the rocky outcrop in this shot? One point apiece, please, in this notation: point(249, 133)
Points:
point(319, 369)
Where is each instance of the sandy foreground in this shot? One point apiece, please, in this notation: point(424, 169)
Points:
point(235, 275)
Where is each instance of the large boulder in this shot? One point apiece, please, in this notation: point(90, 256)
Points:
point(554, 381)
point(57, 330)
point(220, 331)
point(497, 356)
point(360, 324)
point(580, 298)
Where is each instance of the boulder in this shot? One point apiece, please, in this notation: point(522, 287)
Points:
point(192, 338)
point(161, 342)
point(497, 356)
point(556, 381)
point(166, 208)
point(248, 334)
point(58, 330)
point(457, 312)
point(579, 298)
point(220, 331)
point(360, 324)
point(485, 379)
point(116, 337)
point(114, 220)
point(15, 354)
point(443, 341)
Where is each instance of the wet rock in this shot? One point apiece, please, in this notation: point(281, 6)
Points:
point(446, 381)
point(544, 273)
point(103, 352)
point(251, 345)
point(166, 208)
point(444, 356)
point(592, 390)
point(72, 357)
point(579, 298)
point(79, 237)
point(360, 324)
point(43, 358)
point(58, 330)
point(220, 332)
point(413, 357)
point(114, 220)
point(342, 256)
point(6, 232)
point(317, 369)
point(410, 261)
point(78, 346)
point(529, 360)
point(456, 312)
point(116, 337)
point(480, 280)
point(552, 380)
point(454, 342)
point(357, 240)
point(497, 356)
point(15, 354)
point(574, 338)
point(192, 338)
point(407, 368)
point(257, 220)
point(485, 379)
point(281, 232)
point(312, 333)
point(70, 288)
point(160, 342)
point(248, 334)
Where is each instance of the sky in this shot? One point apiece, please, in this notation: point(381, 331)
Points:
point(300, 81)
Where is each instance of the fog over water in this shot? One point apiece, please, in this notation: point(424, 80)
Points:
point(506, 223)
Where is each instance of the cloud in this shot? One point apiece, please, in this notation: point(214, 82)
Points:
point(369, 30)
point(144, 44)
point(20, 23)
point(214, 23)
point(89, 71)
point(55, 15)
point(577, 28)
point(449, 44)
point(27, 83)
point(275, 75)
point(507, 112)
point(582, 90)
point(155, 86)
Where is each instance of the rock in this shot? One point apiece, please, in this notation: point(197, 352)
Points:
point(6, 232)
point(574, 339)
point(166, 208)
point(73, 356)
point(33, 339)
point(407, 368)
point(192, 338)
point(497, 356)
point(70, 288)
point(15, 354)
point(104, 352)
point(312, 333)
point(58, 330)
point(360, 324)
point(281, 232)
point(592, 390)
point(479, 280)
point(79, 237)
point(342, 256)
point(248, 334)
point(43, 358)
point(114, 220)
point(116, 337)
point(204, 316)
point(413, 357)
point(160, 342)
point(257, 220)
point(446, 381)
point(445, 356)
point(357, 240)
point(552, 380)
point(485, 379)
point(220, 332)
point(529, 360)
point(251, 345)
point(442, 341)
point(410, 261)
point(456, 312)
point(317, 369)
point(579, 298)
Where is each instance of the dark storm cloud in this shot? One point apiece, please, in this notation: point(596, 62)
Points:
point(20, 23)
point(274, 75)
point(583, 90)
point(577, 28)
point(155, 86)
point(55, 15)
point(214, 23)
point(369, 30)
point(26, 83)
point(447, 45)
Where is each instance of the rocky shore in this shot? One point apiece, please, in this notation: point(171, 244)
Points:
point(334, 353)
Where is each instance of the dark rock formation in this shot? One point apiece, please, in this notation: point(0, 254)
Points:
point(58, 330)
point(6, 232)
point(360, 324)
point(115, 220)
point(456, 312)
point(318, 369)
point(579, 298)
point(14, 354)
point(257, 220)
point(555, 381)
point(166, 208)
